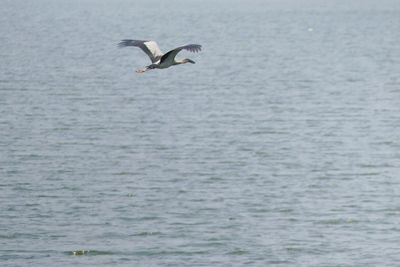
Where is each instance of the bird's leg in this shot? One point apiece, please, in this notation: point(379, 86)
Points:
point(142, 70)
point(149, 67)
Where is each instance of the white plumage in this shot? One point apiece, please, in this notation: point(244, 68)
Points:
point(158, 59)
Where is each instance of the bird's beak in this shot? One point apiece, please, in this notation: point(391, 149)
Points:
point(191, 61)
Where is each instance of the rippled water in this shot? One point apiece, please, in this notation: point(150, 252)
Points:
point(280, 147)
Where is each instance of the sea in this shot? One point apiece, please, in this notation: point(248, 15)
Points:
point(279, 147)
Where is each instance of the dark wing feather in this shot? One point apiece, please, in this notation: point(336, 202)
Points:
point(172, 54)
point(149, 47)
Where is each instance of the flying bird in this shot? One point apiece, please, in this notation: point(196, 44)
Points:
point(158, 59)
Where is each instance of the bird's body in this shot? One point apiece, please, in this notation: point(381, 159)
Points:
point(158, 59)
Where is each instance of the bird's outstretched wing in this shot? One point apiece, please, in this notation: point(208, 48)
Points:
point(170, 56)
point(149, 47)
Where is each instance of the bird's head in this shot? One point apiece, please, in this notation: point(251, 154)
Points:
point(187, 60)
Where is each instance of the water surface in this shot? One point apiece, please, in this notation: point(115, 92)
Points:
point(279, 147)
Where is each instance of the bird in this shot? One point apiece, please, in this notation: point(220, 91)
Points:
point(158, 59)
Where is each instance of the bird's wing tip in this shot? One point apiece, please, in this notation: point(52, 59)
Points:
point(193, 48)
point(124, 43)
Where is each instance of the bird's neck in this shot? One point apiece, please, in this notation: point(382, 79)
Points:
point(178, 62)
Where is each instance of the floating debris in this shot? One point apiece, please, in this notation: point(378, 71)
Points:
point(80, 252)
point(83, 252)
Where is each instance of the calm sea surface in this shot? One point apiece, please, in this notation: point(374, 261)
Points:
point(279, 147)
